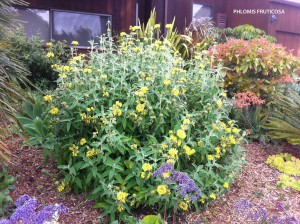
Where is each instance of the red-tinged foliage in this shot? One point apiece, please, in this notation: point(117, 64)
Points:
point(243, 100)
point(254, 66)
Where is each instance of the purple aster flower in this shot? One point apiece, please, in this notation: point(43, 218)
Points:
point(22, 199)
point(28, 211)
point(243, 206)
point(165, 168)
point(25, 212)
point(260, 214)
point(283, 220)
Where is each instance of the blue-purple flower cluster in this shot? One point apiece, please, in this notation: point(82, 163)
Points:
point(259, 214)
point(29, 211)
point(185, 185)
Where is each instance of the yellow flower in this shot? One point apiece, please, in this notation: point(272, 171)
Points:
point(82, 141)
point(74, 42)
point(147, 167)
point(175, 92)
point(213, 196)
point(148, 78)
point(181, 134)
point(184, 206)
point(47, 98)
point(120, 208)
point(186, 121)
point(87, 70)
point(162, 189)
point(121, 196)
point(188, 150)
point(167, 82)
point(69, 85)
point(228, 130)
point(54, 111)
point(172, 161)
point(141, 108)
point(235, 130)
point(164, 146)
point(75, 153)
point(106, 94)
point(173, 153)
point(49, 44)
point(169, 26)
point(199, 143)
point(122, 34)
point(61, 187)
point(210, 157)
point(226, 185)
point(134, 28)
point(173, 138)
point(63, 75)
point(50, 54)
point(91, 153)
point(166, 175)
point(223, 94)
point(219, 103)
point(156, 26)
point(142, 175)
point(232, 140)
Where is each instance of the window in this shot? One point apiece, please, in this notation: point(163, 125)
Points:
point(36, 21)
point(63, 25)
point(201, 11)
point(82, 27)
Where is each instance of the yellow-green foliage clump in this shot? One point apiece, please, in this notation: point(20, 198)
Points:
point(285, 181)
point(285, 163)
point(289, 165)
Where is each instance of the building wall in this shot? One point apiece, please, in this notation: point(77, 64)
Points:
point(287, 26)
point(258, 20)
point(123, 11)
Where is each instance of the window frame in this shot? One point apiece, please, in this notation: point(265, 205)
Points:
point(51, 22)
point(199, 2)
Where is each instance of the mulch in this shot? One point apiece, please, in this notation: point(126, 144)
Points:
point(256, 183)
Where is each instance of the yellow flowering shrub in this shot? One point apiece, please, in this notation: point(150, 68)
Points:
point(120, 113)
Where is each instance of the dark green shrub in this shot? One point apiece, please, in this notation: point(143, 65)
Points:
point(31, 52)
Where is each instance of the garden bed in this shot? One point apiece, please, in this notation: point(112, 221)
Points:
point(257, 183)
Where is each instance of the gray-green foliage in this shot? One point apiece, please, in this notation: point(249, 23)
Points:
point(284, 121)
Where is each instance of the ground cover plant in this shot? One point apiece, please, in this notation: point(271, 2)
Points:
point(130, 125)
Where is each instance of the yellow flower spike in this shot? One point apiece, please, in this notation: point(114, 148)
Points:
point(184, 206)
point(181, 134)
point(143, 175)
point(162, 189)
point(120, 208)
point(167, 82)
point(122, 34)
point(235, 130)
point(121, 196)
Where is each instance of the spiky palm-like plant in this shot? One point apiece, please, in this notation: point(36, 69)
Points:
point(12, 72)
point(284, 122)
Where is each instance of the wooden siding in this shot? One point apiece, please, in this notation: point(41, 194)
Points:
point(257, 20)
point(123, 11)
point(287, 27)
